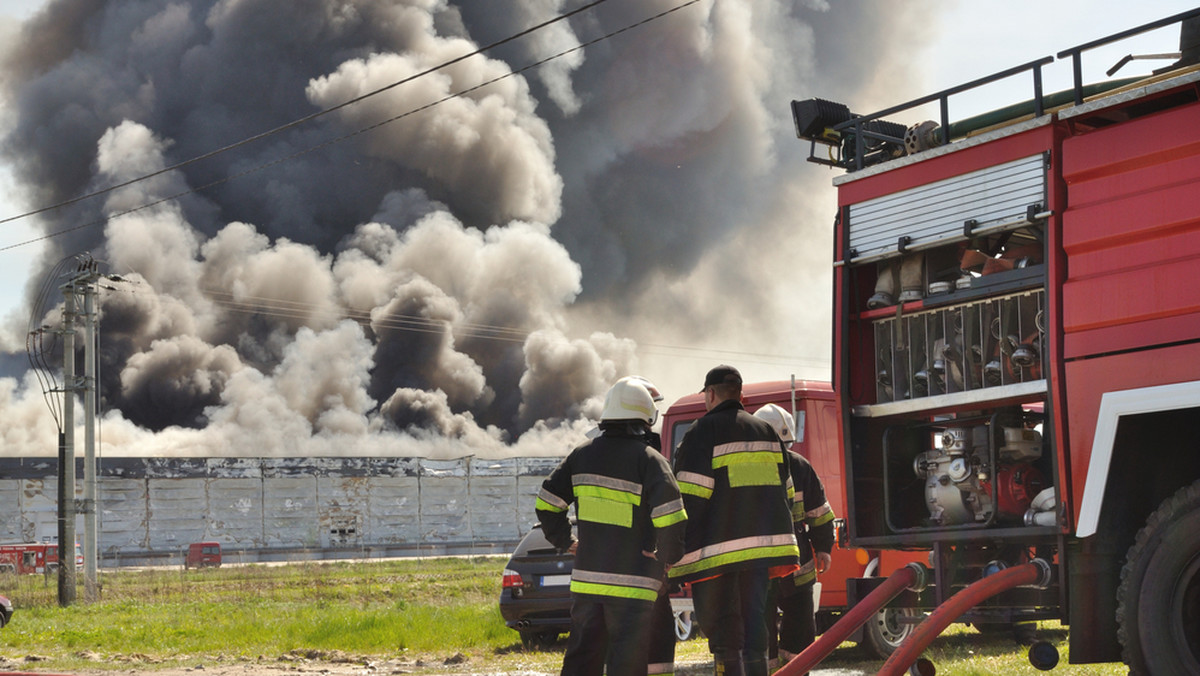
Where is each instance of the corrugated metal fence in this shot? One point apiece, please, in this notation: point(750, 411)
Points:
point(268, 508)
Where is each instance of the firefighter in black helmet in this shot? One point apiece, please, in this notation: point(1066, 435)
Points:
point(630, 528)
point(734, 478)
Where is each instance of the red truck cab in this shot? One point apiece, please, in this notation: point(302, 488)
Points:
point(814, 408)
point(203, 555)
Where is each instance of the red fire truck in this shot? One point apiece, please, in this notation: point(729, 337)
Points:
point(1017, 354)
point(815, 411)
point(33, 557)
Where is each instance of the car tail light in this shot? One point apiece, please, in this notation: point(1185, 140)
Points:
point(511, 579)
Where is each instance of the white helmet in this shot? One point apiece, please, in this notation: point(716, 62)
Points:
point(647, 384)
point(780, 419)
point(629, 400)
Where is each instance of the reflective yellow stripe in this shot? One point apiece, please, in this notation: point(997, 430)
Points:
point(608, 494)
point(547, 507)
point(601, 510)
point(733, 551)
point(552, 501)
point(735, 447)
point(821, 515)
point(617, 591)
point(665, 508)
point(798, 512)
point(763, 457)
point(668, 519)
point(753, 474)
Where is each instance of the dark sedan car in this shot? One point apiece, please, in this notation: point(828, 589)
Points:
point(535, 596)
point(6, 610)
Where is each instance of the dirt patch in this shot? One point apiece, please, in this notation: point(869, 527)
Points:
point(310, 662)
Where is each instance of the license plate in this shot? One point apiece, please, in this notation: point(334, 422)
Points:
point(556, 580)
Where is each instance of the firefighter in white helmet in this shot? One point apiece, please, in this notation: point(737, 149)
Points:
point(813, 520)
point(630, 528)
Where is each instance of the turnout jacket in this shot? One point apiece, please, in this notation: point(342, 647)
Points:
point(736, 488)
point(627, 502)
point(812, 517)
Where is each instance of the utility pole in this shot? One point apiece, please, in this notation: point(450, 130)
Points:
point(66, 457)
point(91, 558)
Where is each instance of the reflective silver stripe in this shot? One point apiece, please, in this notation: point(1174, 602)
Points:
point(799, 496)
point(820, 511)
point(805, 568)
point(697, 479)
point(606, 482)
point(617, 579)
point(745, 447)
point(667, 508)
point(660, 669)
point(552, 499)
point(736, 546)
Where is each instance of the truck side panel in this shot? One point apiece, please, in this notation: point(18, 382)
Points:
point(1132, 235)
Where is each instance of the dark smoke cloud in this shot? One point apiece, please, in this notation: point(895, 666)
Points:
point(465, 280)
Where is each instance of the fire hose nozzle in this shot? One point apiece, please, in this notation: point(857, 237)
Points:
point(921, 574)
point(1046, 574)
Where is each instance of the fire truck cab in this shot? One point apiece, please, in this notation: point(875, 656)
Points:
point(1017, 347)
point(815, 411)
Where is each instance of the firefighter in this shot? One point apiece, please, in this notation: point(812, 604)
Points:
point(813, 520)
point(631, 525)
point(734, 478)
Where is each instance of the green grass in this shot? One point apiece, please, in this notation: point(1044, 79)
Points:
point(427, 609)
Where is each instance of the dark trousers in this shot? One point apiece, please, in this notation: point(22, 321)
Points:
point(798, 625)
point(608, 634)
point(732, 611)
point(662, 638)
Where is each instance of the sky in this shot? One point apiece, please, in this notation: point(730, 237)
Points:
point(590, 219)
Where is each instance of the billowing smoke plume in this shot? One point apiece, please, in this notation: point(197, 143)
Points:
point(468, 278)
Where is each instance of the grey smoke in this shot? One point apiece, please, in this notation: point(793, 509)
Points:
point(465, 280)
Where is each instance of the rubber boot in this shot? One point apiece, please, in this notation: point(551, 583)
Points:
point(757, 666)
point(912, 277)
point(885, 286)
point(729, 665)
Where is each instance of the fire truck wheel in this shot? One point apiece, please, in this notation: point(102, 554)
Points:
point(1158, 602)
point(886, 630)
point(685, 625)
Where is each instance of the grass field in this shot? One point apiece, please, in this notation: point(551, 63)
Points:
point(422, 609)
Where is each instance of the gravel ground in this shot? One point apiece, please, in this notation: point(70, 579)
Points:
point(338, 664)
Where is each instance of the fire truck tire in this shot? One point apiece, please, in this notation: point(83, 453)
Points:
point(1158, 601)
point(8, 569)
point(886, 630)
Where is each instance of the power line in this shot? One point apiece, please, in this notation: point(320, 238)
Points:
point(306, 118)
point(325, 144)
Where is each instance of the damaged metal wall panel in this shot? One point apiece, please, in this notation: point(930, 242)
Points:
point(10, 511)
point(178, 512)
point(493, 499)
point(235, 511)
point(341, 510)
point(289, 511)
point(394, 510)
point(124, 522)
point(39, 510)
point(444, 501)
